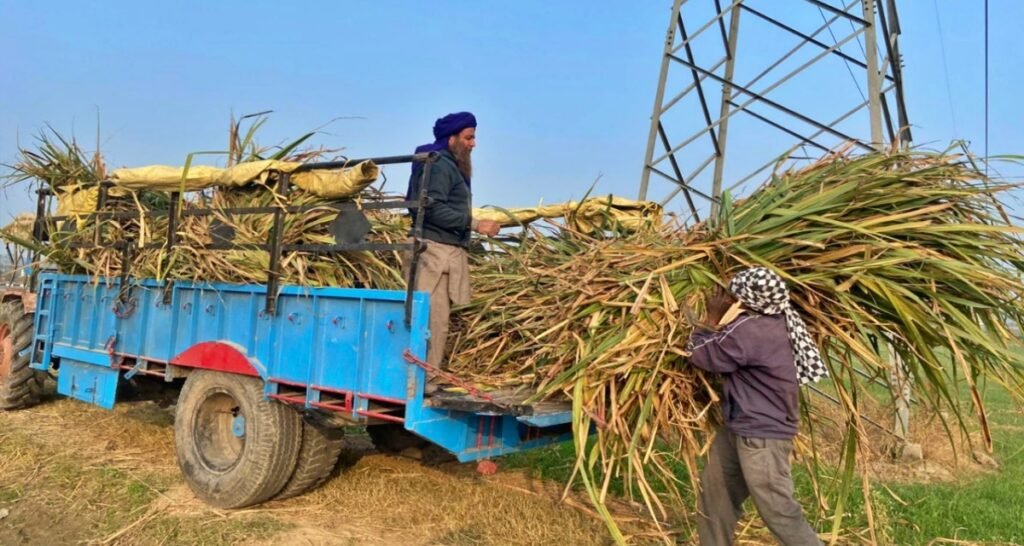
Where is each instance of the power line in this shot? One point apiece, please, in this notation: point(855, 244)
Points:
point(945, 68)
point(860, 42)
point(836, 41)
point(986, 87)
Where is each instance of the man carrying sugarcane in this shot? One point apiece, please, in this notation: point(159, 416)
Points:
point(764, 354)
point(448, 222)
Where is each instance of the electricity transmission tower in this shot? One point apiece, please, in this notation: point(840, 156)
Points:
point(802, 78)
point(747, 83)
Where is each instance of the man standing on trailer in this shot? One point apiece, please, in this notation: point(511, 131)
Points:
point(448, 222)
point(764, 355)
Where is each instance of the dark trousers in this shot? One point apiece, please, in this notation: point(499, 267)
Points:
point(740, 467)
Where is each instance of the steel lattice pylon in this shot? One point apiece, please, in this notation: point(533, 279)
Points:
point(730, 104)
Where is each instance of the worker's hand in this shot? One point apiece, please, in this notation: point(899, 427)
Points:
point(489, 228)
point(718, 303)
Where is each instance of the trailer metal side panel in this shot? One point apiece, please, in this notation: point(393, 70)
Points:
point(329, 349)
point(340, 338)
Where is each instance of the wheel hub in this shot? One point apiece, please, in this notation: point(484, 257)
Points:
point(219, 434)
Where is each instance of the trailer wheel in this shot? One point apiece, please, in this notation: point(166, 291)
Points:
point(20, 385)
point(318, 455)
point(393, 438)
point(235, 447)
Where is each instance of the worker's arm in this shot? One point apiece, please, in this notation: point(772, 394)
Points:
point(719, 352)
point(440, 212)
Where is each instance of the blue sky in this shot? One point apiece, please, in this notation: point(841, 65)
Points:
point(563, 90)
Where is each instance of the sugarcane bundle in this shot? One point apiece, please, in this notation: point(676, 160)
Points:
point(323, 183)
point(14, 258)
point(152, 257)
point(911, 248)
point(362, 268)
point(20, 227)
point(588, 216)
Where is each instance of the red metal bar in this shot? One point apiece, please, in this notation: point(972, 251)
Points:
point(346, 394)
point(490, 438)
point(383, 416)
point(480, 432)
point(332, 407)
point(376, 398)
point(289, 399)
point(333, 391)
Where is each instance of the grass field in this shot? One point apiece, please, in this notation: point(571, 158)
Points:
point(985, 507)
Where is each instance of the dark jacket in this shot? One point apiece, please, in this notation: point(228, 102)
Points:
point(448, 217)
point(755, 358)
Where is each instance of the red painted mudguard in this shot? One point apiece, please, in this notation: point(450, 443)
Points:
point(218, 356)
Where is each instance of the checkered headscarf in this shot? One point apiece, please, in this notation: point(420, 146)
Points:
point(762, 290)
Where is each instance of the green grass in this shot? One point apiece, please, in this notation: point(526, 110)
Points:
point(986, 508)
point(550, 463)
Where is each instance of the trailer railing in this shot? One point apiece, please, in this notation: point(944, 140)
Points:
point(346, 240)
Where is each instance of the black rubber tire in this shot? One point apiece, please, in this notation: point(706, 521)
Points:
point(20, 385)
point(222, 469)
point(393, 438)
point(318, 455)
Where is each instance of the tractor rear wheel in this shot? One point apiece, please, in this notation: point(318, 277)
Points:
point(20, 385)
point(235, 447)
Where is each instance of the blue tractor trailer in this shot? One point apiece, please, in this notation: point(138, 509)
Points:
point(270, 375)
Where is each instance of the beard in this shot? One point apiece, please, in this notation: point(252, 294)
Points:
point(462, 159)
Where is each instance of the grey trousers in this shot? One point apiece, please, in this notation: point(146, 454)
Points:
point(738, 468)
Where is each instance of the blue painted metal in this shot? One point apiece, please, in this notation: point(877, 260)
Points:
point(139, 365)
point(546, 419)
point(326, 349)
point(238, 426)
point(84, 356)
point(87, 382)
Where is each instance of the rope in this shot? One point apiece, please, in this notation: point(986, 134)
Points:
point(840, 49)
point(986, 88)
point(945, 71)
point(452, 379)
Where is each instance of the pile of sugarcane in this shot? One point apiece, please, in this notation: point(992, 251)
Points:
point(900, 251)
point(151, 257)
point(911, 248)
point(91, 244)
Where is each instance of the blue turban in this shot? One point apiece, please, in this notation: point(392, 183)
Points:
point(452, 124)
